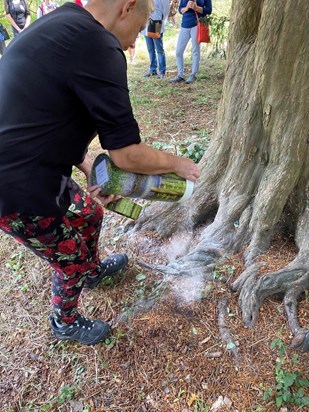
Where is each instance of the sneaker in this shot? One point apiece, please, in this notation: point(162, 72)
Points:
point(191, 79)
point(82, 330)
point(177, 79)
point(160, 76)
point(149, 74)
point(109, 267)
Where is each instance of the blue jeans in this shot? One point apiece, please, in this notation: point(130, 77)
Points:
point(183, 39)
point(155, 46)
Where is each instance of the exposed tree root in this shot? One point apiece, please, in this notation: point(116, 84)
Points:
point(224, 330)
point(291, 281)
point(301, 338)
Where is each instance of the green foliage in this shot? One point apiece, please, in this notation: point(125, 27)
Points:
point(194, 150)
point(219, 29)
point(113, 340)
point(290, 386)
point(66, 394)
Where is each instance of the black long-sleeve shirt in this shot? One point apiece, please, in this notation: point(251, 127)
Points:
point(62, 81)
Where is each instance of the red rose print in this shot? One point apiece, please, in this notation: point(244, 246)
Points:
point(71, 269)
point(88, 200)
point(98, 212)
point(86, 210)
point(66, 222)
point(83, 253)
point(49, 253)
point(78, 222)
point(88, 231)
point(5, 226)
point(68, 305)
point(67, 247)
point(47, 238)
point(29, 229)
point(71, 292)
point(72, 282)
point(77, 197)
point(56, 300)
point(45, 222)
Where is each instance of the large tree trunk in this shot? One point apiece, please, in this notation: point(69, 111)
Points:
point(255, 174)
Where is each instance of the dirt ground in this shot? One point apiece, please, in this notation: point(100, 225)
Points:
point(166, 353)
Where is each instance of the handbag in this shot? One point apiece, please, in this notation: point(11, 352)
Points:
point(4, 35)
point(154, 28)
point(202, 30)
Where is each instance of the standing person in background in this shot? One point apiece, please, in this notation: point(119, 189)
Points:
point(18, 13)
point(188, 31)
point(132, 52)
point(155, 46)
point(46, 7)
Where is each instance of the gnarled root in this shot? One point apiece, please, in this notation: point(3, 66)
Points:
point(301, 336)
point(290, 281)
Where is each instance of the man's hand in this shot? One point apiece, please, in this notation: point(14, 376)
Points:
point(94, 192)
point(187, 169)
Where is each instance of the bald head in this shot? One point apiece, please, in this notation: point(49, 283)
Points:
point(145, 6)
point(124, 18)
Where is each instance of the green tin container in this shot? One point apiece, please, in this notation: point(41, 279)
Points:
point(125, 207)
point(165, 188)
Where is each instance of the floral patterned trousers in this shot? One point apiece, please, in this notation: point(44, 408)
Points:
point(68, 243)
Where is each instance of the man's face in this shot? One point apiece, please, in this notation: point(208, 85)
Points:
point(136, 24)
point(134, 21)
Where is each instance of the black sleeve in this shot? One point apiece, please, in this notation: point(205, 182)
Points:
point(100, 81)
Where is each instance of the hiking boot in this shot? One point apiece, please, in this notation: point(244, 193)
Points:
point(191, 79)
point(149, 74)
point(177, 79)
point(109, 267)
point(82, 330)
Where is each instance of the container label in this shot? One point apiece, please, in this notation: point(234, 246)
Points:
point(101, 173)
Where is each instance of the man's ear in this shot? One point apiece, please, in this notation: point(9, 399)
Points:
point(128, 5)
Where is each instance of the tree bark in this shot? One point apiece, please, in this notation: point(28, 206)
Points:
point(255, 173)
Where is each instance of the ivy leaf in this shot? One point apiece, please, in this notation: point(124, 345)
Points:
point(230, 345)
point(289, 379)
point(140, 276)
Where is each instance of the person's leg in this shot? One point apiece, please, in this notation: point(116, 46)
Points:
point(158, 43)
point(152, 56)
point(86, 216)
point(55, 240)
point(196, 53)
point(69, 244)
point(183, 39)
point(132, 52)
